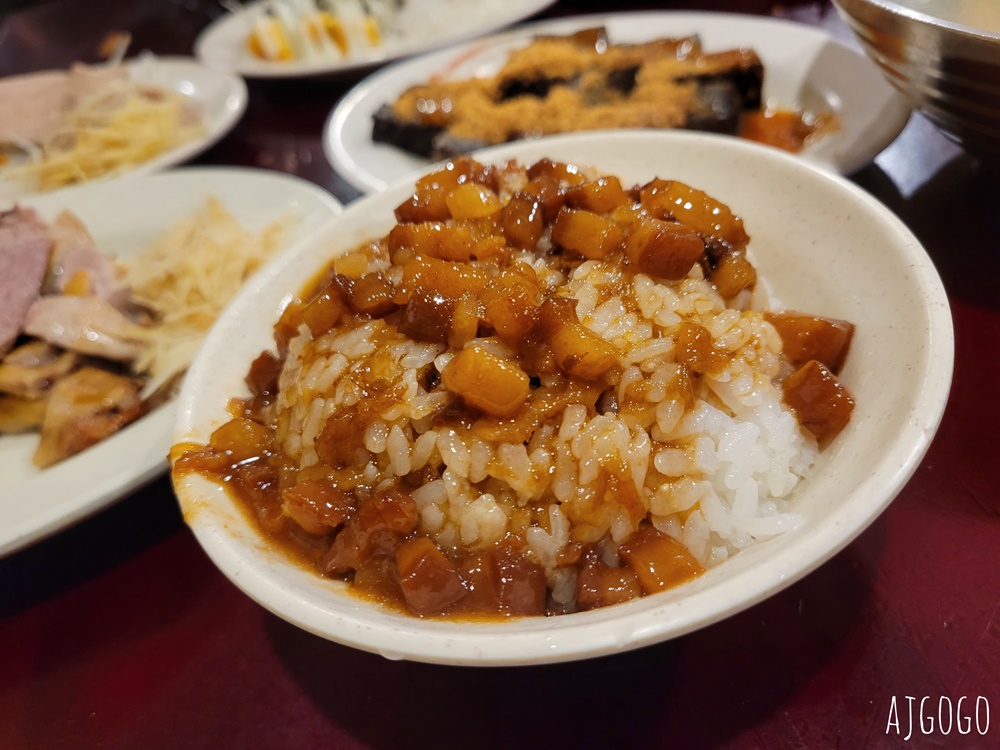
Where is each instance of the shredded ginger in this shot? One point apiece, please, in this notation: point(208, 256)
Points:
point(189, 275)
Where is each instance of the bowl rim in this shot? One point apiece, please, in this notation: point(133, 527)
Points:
point(896, 10)
point(649, 619)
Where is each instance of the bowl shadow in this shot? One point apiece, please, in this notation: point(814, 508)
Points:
point(90, 548)
point(738, 672)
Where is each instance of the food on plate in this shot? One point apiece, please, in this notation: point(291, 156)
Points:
point(287, 30)
point(542, 391)
point(58, 128)
point(559, 84)
point(89, 345)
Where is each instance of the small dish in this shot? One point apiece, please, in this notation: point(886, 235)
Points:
point(804, 67)
point(221, 96)
point(819, 243)
point(123, 217)
point(223, 44)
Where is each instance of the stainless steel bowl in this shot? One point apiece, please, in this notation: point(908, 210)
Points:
point(951, 72)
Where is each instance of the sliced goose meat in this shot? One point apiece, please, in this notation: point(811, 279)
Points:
point(87, 325)
point(30, 370)
point(76, 266)
point(84, 408)
point(25, 244)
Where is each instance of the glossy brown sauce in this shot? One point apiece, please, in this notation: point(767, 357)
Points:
point(786, 129)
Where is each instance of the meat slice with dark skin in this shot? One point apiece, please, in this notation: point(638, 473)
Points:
point(84, 408)
point(25, 244)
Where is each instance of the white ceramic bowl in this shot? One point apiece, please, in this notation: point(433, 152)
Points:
point(804, 68)
point(820, 243)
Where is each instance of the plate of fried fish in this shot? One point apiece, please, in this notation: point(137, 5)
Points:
point(769, 80)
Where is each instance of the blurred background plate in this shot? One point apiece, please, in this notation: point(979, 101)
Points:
point(803, 67)
point(223, 44)
point(221, 97)
point(124, 217)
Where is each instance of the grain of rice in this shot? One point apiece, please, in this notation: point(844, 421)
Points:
point(398, 448)
point(431, 493)
point(563, 480)
point(573, 420)
point(483, 522)
point(454, 452)
point(695, 535)
point(375, 437)
point(650, 350)
point(672, 462)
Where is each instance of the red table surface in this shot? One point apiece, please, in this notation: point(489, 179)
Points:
point(119, 632)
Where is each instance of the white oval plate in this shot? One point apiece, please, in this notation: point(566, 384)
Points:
point(821, 245)
point(124, 217)
point(221, 96)
point(223, 43)
point(803, 67)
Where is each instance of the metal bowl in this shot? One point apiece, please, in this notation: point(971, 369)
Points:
point(950, 71)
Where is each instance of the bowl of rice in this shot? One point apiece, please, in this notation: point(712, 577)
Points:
point(545, 405)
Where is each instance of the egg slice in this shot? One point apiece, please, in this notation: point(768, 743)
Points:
point(269, 41)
